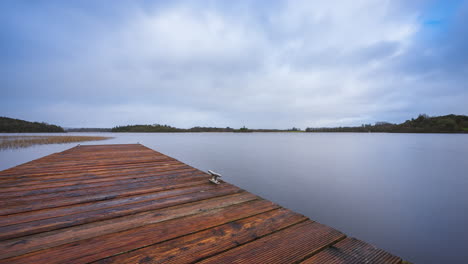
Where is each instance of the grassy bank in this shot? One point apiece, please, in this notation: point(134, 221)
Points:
point(13, 142)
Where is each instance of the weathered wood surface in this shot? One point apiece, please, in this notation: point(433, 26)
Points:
point(131, 204)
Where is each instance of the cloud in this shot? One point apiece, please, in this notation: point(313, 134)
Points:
point(292, 63)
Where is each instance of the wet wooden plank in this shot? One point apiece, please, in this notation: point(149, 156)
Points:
point(72, 172)
point(39, 205)
point(30, 195)
point(129, 204)
point(27, 244)
point(159, 200)
point(287, 246)
point(352, 251)
point(153, 194)
point(200, 245)
point(38, 169)
point(115, 179)
point(96, 248)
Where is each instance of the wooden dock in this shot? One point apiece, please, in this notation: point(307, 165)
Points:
point(131, 204)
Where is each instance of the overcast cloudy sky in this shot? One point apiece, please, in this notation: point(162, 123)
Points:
point(270, 64)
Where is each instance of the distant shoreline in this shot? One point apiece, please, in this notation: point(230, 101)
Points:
point(253, 132)
point(423, 124)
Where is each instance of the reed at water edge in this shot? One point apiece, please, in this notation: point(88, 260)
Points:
point(14, 142)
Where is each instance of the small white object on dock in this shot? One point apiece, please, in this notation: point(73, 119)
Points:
point(214, 177)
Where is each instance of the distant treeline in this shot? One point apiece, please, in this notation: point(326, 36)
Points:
point(170, 129)
point(88, 129)
point(11, 125)
point(146, 128)
point(422, 124)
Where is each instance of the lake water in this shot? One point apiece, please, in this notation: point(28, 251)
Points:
point(405, 193)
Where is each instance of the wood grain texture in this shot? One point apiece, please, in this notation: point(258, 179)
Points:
point(207, 243)
point(287, 246)
point(129, 204)
point(351, 250)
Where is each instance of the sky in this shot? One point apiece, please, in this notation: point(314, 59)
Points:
point(259, 64)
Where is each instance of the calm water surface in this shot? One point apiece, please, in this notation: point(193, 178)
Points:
point(405, 193)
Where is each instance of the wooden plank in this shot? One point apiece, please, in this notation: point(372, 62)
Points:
point(39, 205)
point(122, 162)
point(352, 251)
point(88, 176)
point(103, 180)
point(74, 172)
point(26, 197)
point(159, 200)
point(287, 246)
point(27, 244)
point(82, 165)
point(93, 205)
point(96, 248)
point(194, 247)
